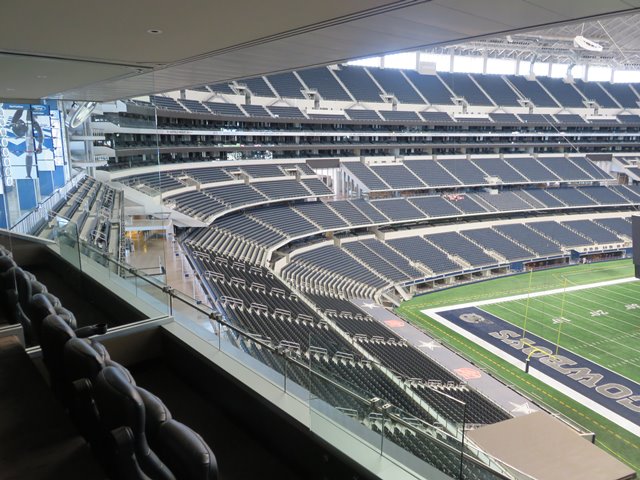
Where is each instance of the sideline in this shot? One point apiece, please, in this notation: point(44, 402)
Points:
point(531, 295)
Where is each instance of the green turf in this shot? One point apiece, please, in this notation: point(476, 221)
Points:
point(611, 338)
point(619, 442)
point(518, 284)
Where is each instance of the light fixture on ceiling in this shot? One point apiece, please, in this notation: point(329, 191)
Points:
point(79, 112)
point(154, 31)
point(586, 44)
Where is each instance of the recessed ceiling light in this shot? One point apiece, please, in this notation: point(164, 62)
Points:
point(154, 31)
point(9, 89)
point(41, 76)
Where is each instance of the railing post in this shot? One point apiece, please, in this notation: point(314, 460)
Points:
point(464, 417)
point(169, 291)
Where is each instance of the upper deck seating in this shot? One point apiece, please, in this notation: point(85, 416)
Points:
point(532, 169)
point(399, 115)
point(325, 83)
point(166, 102)
point(492, 240)
point(530, 239)
point(256, 111)
point(431, 87)
point(592, 231)
point(397, 176)
point(594, 91)
point(360, 85)
point(221, 88)
point(432, 173)
point(437, 117)
point(419, 250)
point(257, 86)
point(194, 106)
point(531, 90)
point(464, 87)
point(219, 108)
point(393, 82)
point(286, 112)
point(286, 85)
point(564, 169)
point(497, 167)
point(559, 233)
point(622, 93)
point(435, 206)
point(563, 92)
point(458, 245)
point(362, 114)
point(504, 118)
point(398, 209)
point(498, 89)
point(366, 175)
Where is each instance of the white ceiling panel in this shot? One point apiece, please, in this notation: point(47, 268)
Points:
point(206, 41)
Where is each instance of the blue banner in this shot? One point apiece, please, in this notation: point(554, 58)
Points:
point(18, 131)
point(42, 137)
point(26, 193)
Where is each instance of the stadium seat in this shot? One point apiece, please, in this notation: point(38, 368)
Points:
point(122, 413)
point(185, 452)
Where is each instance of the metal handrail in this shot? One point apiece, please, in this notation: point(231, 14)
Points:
point(215, 316)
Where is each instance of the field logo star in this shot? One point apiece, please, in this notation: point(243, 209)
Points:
point(430, 345)
point(523, 408)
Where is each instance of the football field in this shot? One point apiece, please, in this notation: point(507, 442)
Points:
point(600, 323)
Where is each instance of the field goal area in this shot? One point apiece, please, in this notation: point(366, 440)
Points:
point(598, 321)
point(580, 336)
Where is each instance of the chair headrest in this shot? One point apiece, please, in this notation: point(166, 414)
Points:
point(118, 401)
point(66, 315)
point(53, 300)
point(55, 327)
point(38, 309)
point(81, 360)
point(23, 285)
point(185, 452)
point(38, 287)
point(100, 349)
point(124, 370)
point(54, 333)
point(156, 412)
point(6, 263)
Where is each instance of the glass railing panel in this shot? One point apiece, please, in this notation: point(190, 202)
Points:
point(320, 368)
point(67, 237)
point(334, 410)
point(422, 446)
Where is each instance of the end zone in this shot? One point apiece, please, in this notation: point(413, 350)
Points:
point(605, 392)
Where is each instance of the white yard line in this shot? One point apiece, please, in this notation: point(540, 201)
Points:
point(582, 314)
point(533, 295)
point(567, 334)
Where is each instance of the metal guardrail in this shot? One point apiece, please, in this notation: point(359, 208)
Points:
point(29, 222)
point(287, 361)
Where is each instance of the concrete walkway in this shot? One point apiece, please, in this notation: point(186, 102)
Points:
point(481, 381)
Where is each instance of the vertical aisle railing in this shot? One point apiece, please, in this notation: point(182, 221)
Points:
point(40, 212)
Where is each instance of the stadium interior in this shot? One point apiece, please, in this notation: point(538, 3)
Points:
point(211, 218)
